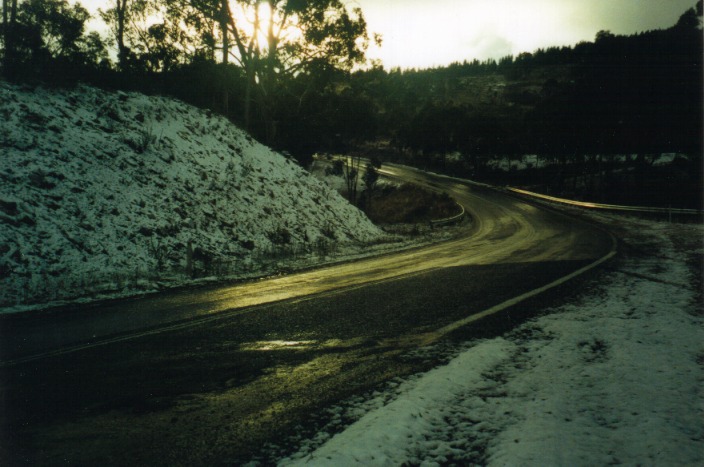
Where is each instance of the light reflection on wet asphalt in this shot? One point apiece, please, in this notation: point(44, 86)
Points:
point(504, 230)
point(239, 371)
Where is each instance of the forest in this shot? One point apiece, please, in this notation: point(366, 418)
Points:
point(587, 121)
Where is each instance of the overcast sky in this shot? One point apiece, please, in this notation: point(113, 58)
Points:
point(424, 33)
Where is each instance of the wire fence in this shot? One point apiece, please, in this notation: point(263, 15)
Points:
point(43, 287)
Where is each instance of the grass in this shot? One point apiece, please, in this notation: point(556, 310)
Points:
point(409, 204)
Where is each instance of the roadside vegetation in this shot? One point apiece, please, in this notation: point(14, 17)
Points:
point(409, 204)
point(384, 201)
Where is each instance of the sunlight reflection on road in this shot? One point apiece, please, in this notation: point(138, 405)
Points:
point(500, 230)
point(504, 230)
point(277, 344)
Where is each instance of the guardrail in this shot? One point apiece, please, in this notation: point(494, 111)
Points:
point(610, 207)
point(449, 220)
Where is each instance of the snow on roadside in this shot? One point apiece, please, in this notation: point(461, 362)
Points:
point(101, 193)
point(615, 377)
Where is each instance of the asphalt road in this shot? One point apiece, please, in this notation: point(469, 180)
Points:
point(208, 376)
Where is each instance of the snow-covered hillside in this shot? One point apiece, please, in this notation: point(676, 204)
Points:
point(111, 193)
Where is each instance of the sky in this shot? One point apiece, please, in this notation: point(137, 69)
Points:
point(426, 33)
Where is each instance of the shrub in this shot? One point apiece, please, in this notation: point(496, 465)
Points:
point(336, 169)
point(145, 138)
point(280, 236)
point(328, 231)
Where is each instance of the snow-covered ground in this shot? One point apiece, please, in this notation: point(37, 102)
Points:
point(616, 376)
point(527, 161)
point(108, 194)
point(521, 163)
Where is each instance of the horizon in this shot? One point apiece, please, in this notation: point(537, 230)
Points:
point(492, 29)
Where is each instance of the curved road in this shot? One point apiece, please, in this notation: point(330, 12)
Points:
point(505, 230)
point(206, 376)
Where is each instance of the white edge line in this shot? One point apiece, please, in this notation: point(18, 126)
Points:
point(532, 293)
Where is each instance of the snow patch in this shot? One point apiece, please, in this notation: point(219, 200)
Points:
point(614, 377)
point(115, 193)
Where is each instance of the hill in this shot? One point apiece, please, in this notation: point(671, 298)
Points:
point(116, 193)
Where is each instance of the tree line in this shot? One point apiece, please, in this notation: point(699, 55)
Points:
point(294, 73)
point(619, 94)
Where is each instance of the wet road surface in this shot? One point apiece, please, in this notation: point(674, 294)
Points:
point(504, 230)
point(221, 371)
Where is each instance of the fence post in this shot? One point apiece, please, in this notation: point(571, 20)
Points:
point(189, 260)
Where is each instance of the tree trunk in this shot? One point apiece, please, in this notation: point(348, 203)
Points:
point(248, 104)
point(13, 13)
point(268, 78)
point(5, 31)
point(5, 17)
point(8, 29)
point(351, 176)
point(224, 20)
point(120, 12)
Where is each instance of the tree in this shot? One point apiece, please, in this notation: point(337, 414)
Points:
point(370, 178)
point(9, 26)
point(691, 19)
point(47, 36)
point(59, 25)
point(276, 40)
point(117, 18)
point(157, 35)
point(351, 166)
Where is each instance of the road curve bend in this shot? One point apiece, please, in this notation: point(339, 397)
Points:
point(505, 231)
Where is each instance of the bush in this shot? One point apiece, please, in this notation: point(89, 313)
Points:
point(280, 236)
point(337, 168)
point(410, 204)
